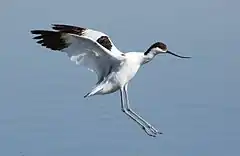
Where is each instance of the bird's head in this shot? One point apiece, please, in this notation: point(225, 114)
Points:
point(161, 48)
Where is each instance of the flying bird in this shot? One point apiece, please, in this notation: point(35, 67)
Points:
point(95, 50)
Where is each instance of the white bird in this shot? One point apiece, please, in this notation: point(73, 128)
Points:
point(95, 50)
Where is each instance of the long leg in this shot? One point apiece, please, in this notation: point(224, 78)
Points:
point(130, 115)
point(154, 130)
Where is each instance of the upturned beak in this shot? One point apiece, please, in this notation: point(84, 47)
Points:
point(169, 52)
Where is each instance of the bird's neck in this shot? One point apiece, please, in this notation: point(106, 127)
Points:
point(148, 56)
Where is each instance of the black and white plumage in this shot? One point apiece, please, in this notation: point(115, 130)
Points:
point(97, 52)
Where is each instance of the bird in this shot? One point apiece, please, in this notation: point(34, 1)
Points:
point(95, 50)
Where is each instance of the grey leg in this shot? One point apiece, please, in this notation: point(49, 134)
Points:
point(130, 115)
point(149, 126)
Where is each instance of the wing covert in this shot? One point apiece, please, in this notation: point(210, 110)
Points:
point(83, 46)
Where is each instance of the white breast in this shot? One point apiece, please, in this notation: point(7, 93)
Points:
point(129, 68)
point(123, 74)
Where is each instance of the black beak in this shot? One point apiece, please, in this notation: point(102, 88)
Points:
point(169, 52)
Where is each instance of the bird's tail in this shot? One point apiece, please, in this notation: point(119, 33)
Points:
point(95, 90)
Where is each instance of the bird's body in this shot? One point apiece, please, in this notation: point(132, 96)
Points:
point(96, 51)
point(121, 74)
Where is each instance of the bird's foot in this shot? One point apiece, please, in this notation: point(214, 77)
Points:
point(154, 130)
point(151, 131)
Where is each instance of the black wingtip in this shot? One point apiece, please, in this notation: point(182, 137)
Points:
point(68, 29)
point(56, 26)
point(50, 39)
point(35, 32)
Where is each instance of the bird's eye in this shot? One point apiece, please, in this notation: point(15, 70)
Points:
point(162, 46)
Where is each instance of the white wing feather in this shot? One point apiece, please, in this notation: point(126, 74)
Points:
point(83, 47)
point(85, 51)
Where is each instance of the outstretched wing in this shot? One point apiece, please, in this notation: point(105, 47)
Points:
point(88, 47)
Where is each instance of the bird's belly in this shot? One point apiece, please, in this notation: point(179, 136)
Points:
point(110, 88)
point(119, 78)
point(126, 73)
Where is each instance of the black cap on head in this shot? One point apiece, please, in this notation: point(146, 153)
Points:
point(156, 45)
point(163, 47)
